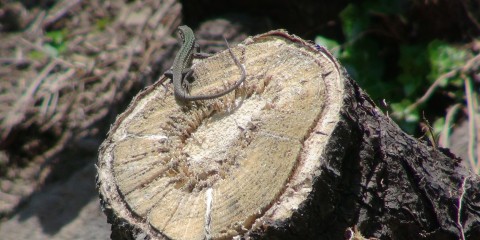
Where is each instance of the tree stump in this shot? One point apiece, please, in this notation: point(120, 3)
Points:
point(298, 152)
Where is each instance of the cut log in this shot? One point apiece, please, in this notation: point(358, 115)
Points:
point(299, 151)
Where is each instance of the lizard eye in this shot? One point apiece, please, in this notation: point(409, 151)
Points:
point(180, 33)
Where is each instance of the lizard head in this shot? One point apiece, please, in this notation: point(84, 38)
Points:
point(184, 31)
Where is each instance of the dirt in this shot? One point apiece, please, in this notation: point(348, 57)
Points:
point(65, 210)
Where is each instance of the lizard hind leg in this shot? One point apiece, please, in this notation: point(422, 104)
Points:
point(199, 55)
point(187, 78)
point(169, 74)
point(185, 72)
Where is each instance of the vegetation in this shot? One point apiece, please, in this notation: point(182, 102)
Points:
point(416, 80)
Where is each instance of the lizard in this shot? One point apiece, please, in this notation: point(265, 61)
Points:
point(181, 70)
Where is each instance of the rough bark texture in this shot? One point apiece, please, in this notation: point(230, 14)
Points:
point(388, 184)
point(408, 189)
point(370, 176)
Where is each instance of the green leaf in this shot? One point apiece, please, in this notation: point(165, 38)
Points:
point(58, 42)
point(362, 61)
point(438, 126)
point(414, 66)
point(354, 21)
point(407, 120)
point(102, 23)
point(444, 57)
point(56, 36)
point(36, 55)
point(330, 44)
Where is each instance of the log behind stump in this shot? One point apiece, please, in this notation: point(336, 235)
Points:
point(297, 152)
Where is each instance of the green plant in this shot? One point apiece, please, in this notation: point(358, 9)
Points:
point(405, 73)
point(57, 43)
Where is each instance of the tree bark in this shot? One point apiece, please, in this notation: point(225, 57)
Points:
point(298, 152)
